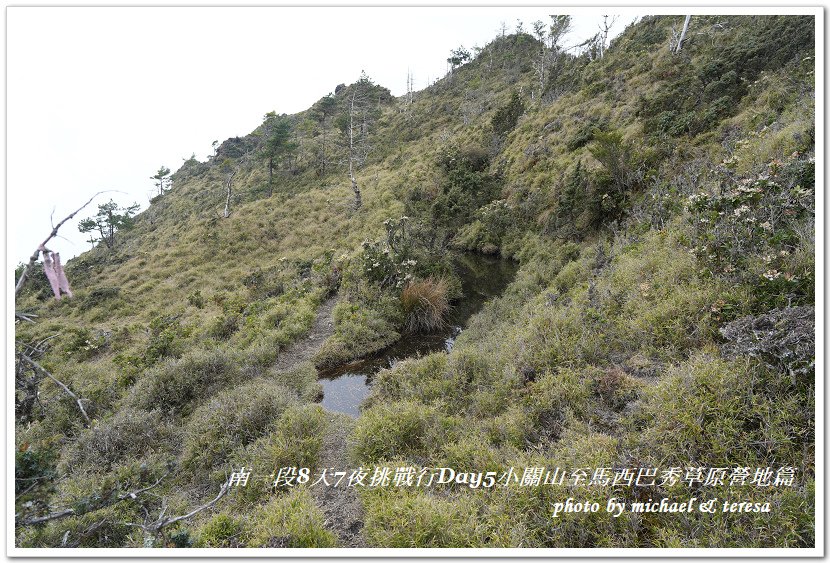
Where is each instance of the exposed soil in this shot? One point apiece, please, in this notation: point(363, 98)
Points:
point(341, 505)
point(303, 350)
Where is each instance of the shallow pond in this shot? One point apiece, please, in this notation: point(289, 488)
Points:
point(482, 278)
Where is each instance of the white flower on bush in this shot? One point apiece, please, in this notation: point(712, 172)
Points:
point(772, 274)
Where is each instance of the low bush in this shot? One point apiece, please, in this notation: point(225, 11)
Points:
point(129, 433)
point(402, 429)
point(302, 379)
point(230, 419)
point(715, 413)
point(223, 530)
point(411, 518)
point(176, 384)
point(361, 328)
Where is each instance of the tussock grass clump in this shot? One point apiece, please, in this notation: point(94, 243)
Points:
point(292, 520)
point(423, 379)
point(302, 379)
point(406, 428)
point(425, 305)
point(294, 440)
point(233, 418)
point(708, 411)
point(365, 325)
point(223, 530)
point(409, 518)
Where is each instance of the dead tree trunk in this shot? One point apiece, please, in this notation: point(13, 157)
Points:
point(270, 176)
point(228, 187)
point(353, 155)
point(683, 33)
point(356, 189)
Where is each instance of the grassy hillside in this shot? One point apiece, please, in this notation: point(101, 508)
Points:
point(661, 208)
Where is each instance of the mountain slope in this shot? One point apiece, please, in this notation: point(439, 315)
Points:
point(657, 202)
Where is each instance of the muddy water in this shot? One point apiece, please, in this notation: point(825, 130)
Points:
point(482, 278)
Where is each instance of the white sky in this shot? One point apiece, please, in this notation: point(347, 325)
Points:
point(98, 98)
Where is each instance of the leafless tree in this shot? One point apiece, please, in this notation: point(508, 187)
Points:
point(604, 30)
point(550, 45)
point(357, 150)
point(232, 169)
point(683, 33)
point(355, 126)
point(33, 258)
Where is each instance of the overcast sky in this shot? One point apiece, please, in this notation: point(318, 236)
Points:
point(99, 98)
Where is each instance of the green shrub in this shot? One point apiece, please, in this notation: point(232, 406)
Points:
point(224, 326)
point(411, 518)
point(422, 379)
point(506, 117)
point(196, 299)
point(230, 419)
point(302, 379)
point(83, 343)
point(361, 328)
point(176, 383)
point(167, 339)
point(129, 433)
point(98, 296)
point(710, 412)
point(223, 530)
point(295, 439)
point(752, 231)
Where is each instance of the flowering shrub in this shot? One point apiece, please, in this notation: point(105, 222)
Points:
point(389, 262)
point(766, 215)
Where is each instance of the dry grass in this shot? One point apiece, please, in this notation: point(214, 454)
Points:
point(425, 304)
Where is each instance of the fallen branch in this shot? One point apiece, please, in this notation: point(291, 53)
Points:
point(71, 511)
point(153, 529)
point(66, 389)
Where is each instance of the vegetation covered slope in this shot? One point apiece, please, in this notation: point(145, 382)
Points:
point(658, 203)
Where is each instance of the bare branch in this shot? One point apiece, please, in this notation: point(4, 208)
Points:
point(66, 389)
point(71, 511)
point(24, 316)
point(683, 33)
point(153, 529)
point(33, 258)
point(222, 491)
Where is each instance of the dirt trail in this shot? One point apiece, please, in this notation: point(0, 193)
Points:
point(303, 350)
point(341, 505)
